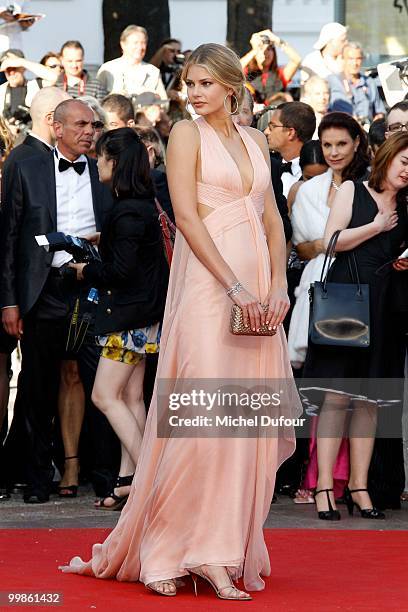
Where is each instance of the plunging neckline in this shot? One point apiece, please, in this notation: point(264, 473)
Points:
point(236, 127)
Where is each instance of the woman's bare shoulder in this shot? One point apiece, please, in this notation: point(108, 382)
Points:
point(256, 135)
point(185, 129)
point(260, 140)
point(184, 140)
point(347, 187)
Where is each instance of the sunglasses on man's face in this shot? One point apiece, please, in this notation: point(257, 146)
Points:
point(54, 66)
point(98, 125)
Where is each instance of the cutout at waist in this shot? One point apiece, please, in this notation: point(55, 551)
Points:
point(204, 210)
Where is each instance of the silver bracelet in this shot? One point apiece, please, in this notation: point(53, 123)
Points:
point(234, 289)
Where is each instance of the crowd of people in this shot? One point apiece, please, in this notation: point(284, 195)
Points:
point(87, 155)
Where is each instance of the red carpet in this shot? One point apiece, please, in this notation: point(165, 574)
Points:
point(312, 571)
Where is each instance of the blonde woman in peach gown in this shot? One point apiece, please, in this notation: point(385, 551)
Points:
point(197, 505)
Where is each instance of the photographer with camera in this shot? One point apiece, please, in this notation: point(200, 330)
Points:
point(261, 65)
point(132, 283)
point(17, 92)
point(168, 59)
point(354, 92)
point(58, 191)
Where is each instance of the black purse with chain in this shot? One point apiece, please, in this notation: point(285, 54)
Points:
point(339, 312)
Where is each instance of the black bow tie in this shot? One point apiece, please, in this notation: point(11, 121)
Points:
point(64, 164)
point(286, 167)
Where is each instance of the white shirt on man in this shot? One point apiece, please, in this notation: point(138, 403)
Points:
point(118, 76)
point(292, 177)
point(75, 213)
point(315, 64)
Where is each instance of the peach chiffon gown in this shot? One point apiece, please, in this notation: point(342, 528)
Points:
point(198, 501)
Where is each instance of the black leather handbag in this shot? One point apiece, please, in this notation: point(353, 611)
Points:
point(339, 312)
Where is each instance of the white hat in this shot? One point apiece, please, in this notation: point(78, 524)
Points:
point(328, 32)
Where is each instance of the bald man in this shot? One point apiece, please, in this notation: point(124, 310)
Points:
point(55, 192)
point(41, 139)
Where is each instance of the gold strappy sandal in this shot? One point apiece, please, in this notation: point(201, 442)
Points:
point(197, 571)
point(151, 587)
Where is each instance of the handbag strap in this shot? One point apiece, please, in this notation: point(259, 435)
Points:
point(328, 257)
point(351, 263)
point(163, 216)
point(353, 269)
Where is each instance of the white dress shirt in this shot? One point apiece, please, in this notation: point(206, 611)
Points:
point(292, 177)
point(75, 213)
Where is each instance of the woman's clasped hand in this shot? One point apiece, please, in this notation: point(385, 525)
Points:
point(386, 220)
point(255, 314)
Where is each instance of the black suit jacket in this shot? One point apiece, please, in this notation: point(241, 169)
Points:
point(280, 198)
point(133, 275)
point(30, 209)
point(30, 147)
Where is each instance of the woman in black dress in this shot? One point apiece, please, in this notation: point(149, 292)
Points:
point(373, 221)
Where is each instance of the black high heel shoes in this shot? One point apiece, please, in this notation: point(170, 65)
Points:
point(369, 513)
point(331, 514)
point(70, 491)
point(118, 500)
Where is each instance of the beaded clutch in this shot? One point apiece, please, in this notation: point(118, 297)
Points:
point(237, 326)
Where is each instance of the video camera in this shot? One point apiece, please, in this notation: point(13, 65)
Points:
point(20, 119)
point(394, 80)
point(81, 249)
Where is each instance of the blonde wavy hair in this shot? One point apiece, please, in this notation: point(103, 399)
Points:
point(6, 137)
point(222, 64)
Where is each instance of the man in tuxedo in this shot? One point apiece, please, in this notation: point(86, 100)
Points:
point(281, 201)
point(290, 126)
point(59, 191)
point(40, 141)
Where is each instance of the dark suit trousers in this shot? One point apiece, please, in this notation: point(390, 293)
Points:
point(43, 348)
